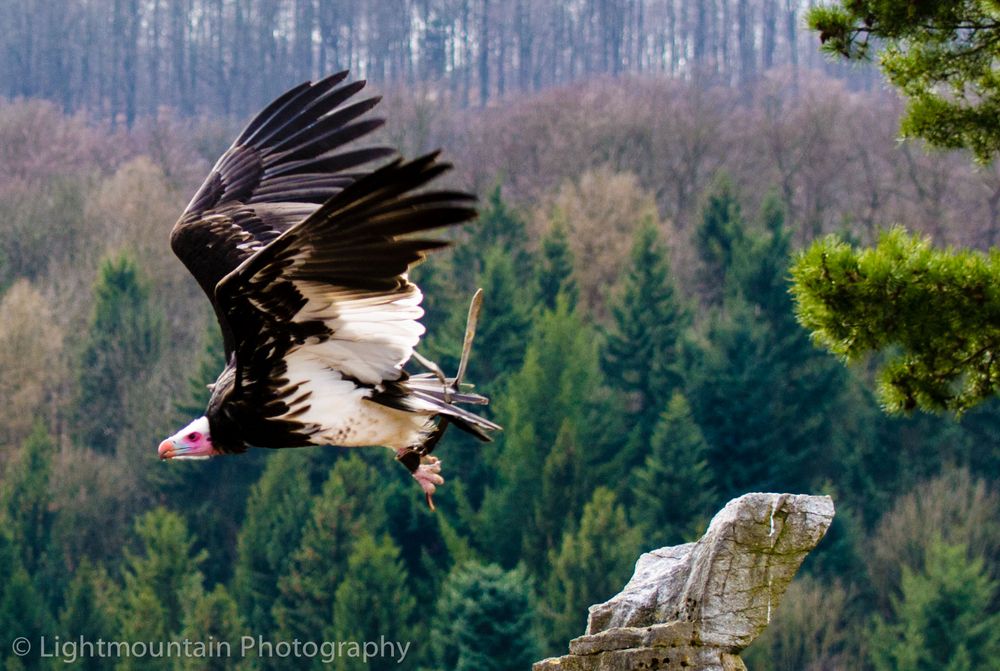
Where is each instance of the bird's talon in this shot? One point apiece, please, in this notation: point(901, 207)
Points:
point(428, 476)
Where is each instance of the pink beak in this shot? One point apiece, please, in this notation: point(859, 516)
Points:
point(166, 450)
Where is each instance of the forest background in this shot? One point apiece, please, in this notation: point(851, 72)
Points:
point(647, 169)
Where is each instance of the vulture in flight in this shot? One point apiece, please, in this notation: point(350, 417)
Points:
point(304, 253)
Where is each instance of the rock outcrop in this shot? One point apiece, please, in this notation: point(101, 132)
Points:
point(694, 607)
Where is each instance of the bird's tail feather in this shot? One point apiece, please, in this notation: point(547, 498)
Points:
point(431, 392)
point(428, 383)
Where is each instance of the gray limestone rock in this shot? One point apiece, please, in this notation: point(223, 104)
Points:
point(696, 606)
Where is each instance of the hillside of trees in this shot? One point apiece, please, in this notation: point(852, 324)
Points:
point(637, 339)
point(123, 59)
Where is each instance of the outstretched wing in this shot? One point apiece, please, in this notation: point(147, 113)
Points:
point(287, 161)
point(334, 288)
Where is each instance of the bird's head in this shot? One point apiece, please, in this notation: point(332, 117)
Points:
point(192, 442)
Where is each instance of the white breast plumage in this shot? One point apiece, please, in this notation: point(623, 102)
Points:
point(337, 412)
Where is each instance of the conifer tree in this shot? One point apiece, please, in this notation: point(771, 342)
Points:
point(27, 502)
point(558, 383)
point(88, 612)
point(271, 531)
point(211, 362)
point(592, 565)
point(943, 619)
point(643, 352)
point(144, 618)
point(484, 620)
point(212, 617)
point(760, 272)
point(121, 344)
point(350, 503)
point(762, 392)
point(559, 377)
point(941, 55)
point(373, 599)
point(498, 226)
point(23, 613)
point(760, 406)
point(418, 532)
point(504, 321)
point(719, 236)
point(494, 257)
point(672, 491)
point(454, 529)
point(22, 608)
point(505, 318)
point(497, 353)
point(928, 310)
point(435, 277)
point(157, 577)
point(10, 554)
point(558, 503)
point(555, 267)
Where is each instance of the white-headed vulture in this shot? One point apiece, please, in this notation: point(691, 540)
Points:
point(304, 253)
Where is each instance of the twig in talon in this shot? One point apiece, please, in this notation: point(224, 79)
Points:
point(431, 366)
point(470, 332)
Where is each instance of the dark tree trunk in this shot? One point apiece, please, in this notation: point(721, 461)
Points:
point(484, 54)
point(745, 41)
point(522, 19)
point(769, 29)
point(153, 63)
point(501, 66)
point(700, 46)
point(724, 57)
point(130, 59)
point(196, 38)
point(117, 38)
point(791, 33)
point(304, 22)
point(178, 41)
point(466, 84)
point(222, 72)
point(672, 31)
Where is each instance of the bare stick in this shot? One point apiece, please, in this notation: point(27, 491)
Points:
point(470, 333)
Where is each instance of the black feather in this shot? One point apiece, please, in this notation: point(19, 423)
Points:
point(327, 164)
point(312, 133)
point(286, 156)
point(286, 108)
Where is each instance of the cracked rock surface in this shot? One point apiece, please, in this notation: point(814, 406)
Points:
point(696, 606)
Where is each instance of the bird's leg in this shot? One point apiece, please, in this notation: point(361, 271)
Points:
point(431, 366)
point(425, 469)
point(432, 440)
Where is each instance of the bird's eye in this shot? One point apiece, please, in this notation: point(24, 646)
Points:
point(193, 436)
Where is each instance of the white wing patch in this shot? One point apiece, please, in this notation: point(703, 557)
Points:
point(337, 411)
point(373, 334)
